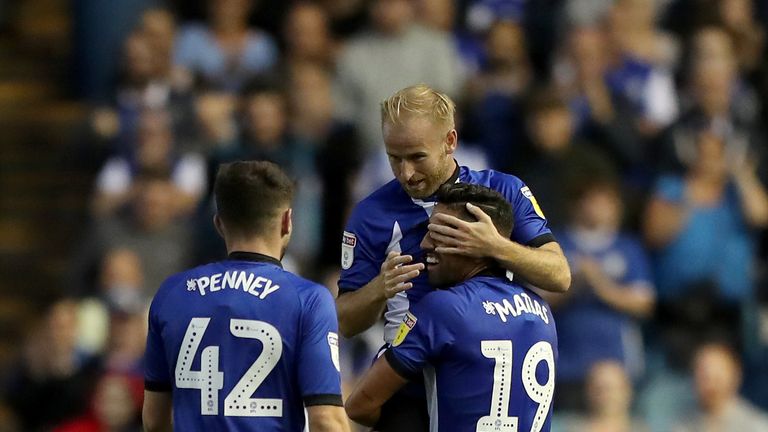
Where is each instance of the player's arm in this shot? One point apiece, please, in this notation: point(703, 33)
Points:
point(360, 309)
point(327, 418)
point(156, 414)
point(374, 388)
point(544, 267)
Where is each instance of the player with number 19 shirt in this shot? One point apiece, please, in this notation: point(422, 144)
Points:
point(390, 220)
point(486, 346)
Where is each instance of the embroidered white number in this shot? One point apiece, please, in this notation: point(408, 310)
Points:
point(501, 351)
point(210, 380)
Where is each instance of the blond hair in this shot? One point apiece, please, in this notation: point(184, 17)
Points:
point(418, 100)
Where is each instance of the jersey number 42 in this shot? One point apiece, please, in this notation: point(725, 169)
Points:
point(238, 403)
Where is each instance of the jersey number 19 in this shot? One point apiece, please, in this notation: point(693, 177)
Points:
point(501, 351)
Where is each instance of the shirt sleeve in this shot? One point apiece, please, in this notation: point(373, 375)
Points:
point(318, 365)
point(156, 368)
point(360, 258)
point(669, 188)
point(530, 223)
point(421, 338)
point(639, 269)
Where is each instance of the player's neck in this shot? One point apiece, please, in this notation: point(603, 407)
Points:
point(261, 246)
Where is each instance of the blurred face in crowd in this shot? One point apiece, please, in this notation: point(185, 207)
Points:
point(736, 13)
point(155, 203)
point(140, 65)
point(437, 14)
point(311, 99)
point(62, 325)
point(505, 45)
point(633, 15)
point(114, 403)
point(713, 82)
point(420, 154)
point(710, 162)
point(266, 118)
point(599, 208)
point(155, 139)
point(159, 27)
point(215, 111)
point(121, 267)
point(712, 44)
point(306, 32)
point(717, 377)
point(588, 52)
point(230, 14)
point(127, 337)
point(446, 269)
point(391, 16)
point(609, 391)
point(552, 129)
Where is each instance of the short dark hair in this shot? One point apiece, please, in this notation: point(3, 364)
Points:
point(457, 195)
point(249, 194)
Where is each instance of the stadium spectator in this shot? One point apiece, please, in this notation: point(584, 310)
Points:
point(307, 37)
point(216, 123)
point(495, 95)
point(150, 227)
point(155, 150)
point(717, 376)
point(267, 135)
point(717, 201)
point(642, 61)
point(52, 369)
point(739, 19)
point(226, 51)
point(338, 153)
point(608, 394)
point(394, 53)
point(601, 117)
point(115, 407)
point(612, 290)
point(555, 156)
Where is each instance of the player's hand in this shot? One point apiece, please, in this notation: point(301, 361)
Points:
point(396, 273)
point(456, 236)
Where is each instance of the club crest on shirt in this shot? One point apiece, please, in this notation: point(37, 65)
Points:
point(333, 344)
point(348, 243)
point(409, 322)
point(528, 194)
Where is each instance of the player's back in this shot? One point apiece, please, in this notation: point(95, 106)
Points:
point(497, 371)
point(245, 344)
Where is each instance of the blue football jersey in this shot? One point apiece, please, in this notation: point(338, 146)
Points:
point(487, 349)
point(243, 345)
point(390, 220)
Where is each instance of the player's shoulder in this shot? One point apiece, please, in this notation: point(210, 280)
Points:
point(178, 281)
point(306, 290)
point(496, 180)
point(379, 203)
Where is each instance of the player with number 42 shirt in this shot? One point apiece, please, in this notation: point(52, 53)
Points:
point(241, 344)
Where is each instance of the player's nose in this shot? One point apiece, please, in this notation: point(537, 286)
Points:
point(427, 243)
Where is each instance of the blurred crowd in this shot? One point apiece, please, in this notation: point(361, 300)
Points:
point(637, 124)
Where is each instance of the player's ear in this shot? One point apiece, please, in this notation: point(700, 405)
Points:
point(286, 223)
point(451, 141)
point(217, 223)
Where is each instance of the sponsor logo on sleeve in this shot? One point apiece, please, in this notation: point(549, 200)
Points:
point(409, 322)
point(528, 194)
point(348, 243)
point(333, 344)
